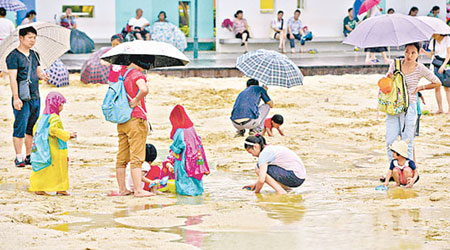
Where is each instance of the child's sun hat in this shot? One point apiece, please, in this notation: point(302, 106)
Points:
point(401, 147)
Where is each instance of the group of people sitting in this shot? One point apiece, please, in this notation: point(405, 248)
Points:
point(138, 26)
point(280, 30)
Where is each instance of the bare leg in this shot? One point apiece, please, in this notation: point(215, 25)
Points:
point(18, 144)
point(138, 36)
point(408, 173)
point(273, 183)
point(396, 175)
point(120, 175)
point(136, 175)
point(28, 144)
point(283, 40)
point(147, 36)
point(414, 154)
point(447, 93)
point(368, 57)
point(244, 37)
point(385, 59)
point(439, 100)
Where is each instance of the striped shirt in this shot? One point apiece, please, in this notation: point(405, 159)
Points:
point(239, 25)
point(412, 79)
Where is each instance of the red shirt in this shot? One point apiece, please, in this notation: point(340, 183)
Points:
point(132, 89)
point(268, 123)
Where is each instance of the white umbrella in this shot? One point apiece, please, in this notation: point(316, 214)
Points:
point(51, 43)
point(439, 26)
point(158, 53)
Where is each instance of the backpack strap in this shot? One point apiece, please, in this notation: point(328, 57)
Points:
point(398, 65)
point(126, 73)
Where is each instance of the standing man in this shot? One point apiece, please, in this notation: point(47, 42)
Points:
point(138, 25)
point(350, 22)
point(6, 26)
point(133, 133)
point(295, 30)
point(26, 112)
point(247, 114)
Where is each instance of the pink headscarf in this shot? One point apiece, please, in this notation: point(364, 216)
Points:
point(52, 102)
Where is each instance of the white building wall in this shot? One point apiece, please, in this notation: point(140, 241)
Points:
point(101, 26)
point(403, 6)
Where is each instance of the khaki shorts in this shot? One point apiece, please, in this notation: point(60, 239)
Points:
point(132, 138)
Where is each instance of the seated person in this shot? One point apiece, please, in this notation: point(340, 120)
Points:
point(68, 20)
point(138, 25)
point(295, 31)
point(247, 114)
point(350, 22)
point(279, 27)
point(240, 28)
point(402, 169)
point(150, 174)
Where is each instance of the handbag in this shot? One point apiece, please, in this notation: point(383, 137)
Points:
point(24, 85)
point(437, 60)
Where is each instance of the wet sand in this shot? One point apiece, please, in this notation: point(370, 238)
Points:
point(331, 122)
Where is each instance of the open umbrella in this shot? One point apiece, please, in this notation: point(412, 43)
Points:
point(80, 43)
point(93, 71)
point(439, 26)
point(270, 68)
point(168, 33)
point(389, 30)
point(367, 5)
point(58, 74)
point(158, 53)
point(51, 43)
point(12, 5)
point(356, 6)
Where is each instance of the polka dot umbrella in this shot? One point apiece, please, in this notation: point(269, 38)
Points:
point(58, 73)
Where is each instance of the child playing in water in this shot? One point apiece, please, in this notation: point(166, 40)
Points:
point(190, 159)
point(167, 166)
point(150, 174)
point(277, 166)
point(275, 122)
point(402, 169)
point(49, 153)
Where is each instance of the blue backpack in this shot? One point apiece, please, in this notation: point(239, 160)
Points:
point(116, 107)
point(40, 151)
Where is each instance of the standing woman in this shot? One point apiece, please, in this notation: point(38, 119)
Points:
point(240, 27)
point(277, 166)
point(279, 26)
point(29, 17)
point(404, 124)
point(440, 50)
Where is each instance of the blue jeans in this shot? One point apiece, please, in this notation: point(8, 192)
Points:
point(404, 125)
point(292, 41)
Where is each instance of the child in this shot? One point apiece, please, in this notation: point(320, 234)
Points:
point(275, 122)
point(114, 70)
point(150, 174)
point(49, 153)
point(167, 166)
point(402, 169)
point(190, 160)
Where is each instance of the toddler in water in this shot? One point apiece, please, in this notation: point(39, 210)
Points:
point(275, 122)
point(150, 174)
point(402, 169)
point(167, 166)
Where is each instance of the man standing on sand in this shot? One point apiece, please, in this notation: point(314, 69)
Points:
point(247, 114)
point(26, 112)
point(133, 133)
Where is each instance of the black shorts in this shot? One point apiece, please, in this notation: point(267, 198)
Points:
point(143, 32)
point(275, 35)
point(283, 176)
point(239, 35)
point(376, 50)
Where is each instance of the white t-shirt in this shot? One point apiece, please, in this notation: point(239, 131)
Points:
point(441, 47)
point(6, 27)
point(283, 158)
point(145, 168)
point(277, 24)
point(138, 22)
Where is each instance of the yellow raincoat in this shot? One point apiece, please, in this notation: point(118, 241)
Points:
point(56, 176)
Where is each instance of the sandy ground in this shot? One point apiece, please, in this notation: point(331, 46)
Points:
point(331, 122)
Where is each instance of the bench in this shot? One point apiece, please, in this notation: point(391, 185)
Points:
point(269, 40)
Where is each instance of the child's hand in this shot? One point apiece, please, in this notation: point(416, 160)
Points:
point(423, 100)
point(390, 75)
point(133, 103)
point(73, 135)
point(410, 182)
point(250, 187)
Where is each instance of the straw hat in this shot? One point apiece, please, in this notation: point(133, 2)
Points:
point(401, 147)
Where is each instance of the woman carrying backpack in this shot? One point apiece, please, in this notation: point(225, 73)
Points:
point(404, 123)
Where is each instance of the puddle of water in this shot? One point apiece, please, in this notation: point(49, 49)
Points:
point(401, 193)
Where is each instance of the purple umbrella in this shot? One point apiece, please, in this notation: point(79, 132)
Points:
point(58, 73)
point(389, 30)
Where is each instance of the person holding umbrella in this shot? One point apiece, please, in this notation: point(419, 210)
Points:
point(404, 123)
point(23, 65)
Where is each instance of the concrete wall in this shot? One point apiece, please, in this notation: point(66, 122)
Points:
point(101, 26)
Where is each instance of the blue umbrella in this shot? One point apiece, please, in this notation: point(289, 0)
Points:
point(58, 73)
point(356, 5)
point(12, 5)
point(80, 43)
